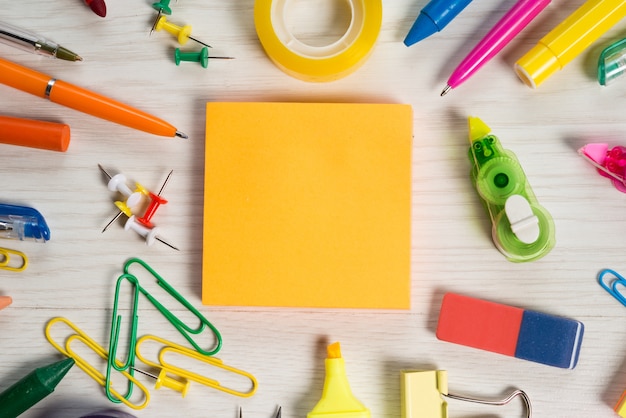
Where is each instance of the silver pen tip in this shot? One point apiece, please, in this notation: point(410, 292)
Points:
point(446, 89)
point(182, 135)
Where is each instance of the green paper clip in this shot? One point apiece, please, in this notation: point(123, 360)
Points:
point(116, 320)
point(185, 330)
point(612, 62)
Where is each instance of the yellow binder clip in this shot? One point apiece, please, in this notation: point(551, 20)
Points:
point(177, 378)
point(8, 257)
point(80, 337)
point(423, 391)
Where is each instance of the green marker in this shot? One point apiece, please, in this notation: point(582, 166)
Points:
point(34, 387)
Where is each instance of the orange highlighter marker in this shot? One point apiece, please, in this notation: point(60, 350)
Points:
point(77, 98)
point(34, 133)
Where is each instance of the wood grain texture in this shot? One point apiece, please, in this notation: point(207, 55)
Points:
point(73, 275)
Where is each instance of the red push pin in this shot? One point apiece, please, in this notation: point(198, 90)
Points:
point(155, 201)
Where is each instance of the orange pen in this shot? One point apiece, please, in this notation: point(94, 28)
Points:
point(34, 133)
point(77, 98)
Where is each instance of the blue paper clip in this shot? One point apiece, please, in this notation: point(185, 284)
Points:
point(612, 284)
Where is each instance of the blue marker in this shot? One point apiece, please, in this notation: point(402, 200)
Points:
point(22, 223)
point(433, 18)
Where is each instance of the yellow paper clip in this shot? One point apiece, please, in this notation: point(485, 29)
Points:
point(181, 383)
point(7, 261)
point(96, 375)
point(422, 395)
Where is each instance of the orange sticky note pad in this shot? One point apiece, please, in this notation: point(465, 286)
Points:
point(307, 205)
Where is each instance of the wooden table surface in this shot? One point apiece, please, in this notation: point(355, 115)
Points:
point(73, 275)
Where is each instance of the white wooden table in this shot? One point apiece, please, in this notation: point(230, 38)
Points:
point(73, 275)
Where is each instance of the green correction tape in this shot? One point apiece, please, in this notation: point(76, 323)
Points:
point(612, 62)
point(522, 230)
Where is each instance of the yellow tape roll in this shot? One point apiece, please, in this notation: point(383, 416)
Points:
point(313, 63)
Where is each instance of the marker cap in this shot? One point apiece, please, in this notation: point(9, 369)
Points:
point(537, 65)
point(34, 133)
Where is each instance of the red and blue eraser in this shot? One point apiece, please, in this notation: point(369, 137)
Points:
point(511, 331)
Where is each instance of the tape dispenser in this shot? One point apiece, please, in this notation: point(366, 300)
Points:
point(522, 230)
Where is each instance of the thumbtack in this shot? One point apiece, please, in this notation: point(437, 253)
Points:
point(162, 7)
point(155, 201)
point(182, 33)
point(202, 57)
point(150, 234)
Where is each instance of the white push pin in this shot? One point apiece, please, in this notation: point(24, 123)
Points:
point(150, 234)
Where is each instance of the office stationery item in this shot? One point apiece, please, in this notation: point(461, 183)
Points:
point(113, 363)
point(613, 282)
point(151, 235)
point(318, 63)
point(508, 330)
point(610, 163)
point(423, 392)
point(512, 23)
point(190, 332)
point(181, 33)
point(162, 7)
point(134, 198)
point(5, 301)
point(33, 388)
point(241, 383)
point(288, 189)
point(620, 407)
point(134, 203)
point(337, 398)
point(34, 43)
point(435, 16)
point(612, 62)
point(278, 414)
point(522, 230)
point(12, 260)
point(99, 7)
point(23, 223)
point(34, 133)
point(568, 39)
point(80, 337)
point(109, 413)
point(201, 57)
point(127, 366)
point(77, 98)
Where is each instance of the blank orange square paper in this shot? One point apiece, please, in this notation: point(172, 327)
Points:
point(307, 205)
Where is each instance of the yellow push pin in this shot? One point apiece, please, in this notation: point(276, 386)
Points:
point(337, 398)
point(182, 33)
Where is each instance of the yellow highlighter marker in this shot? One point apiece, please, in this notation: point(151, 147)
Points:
point(337, 399)
point(567, 40)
